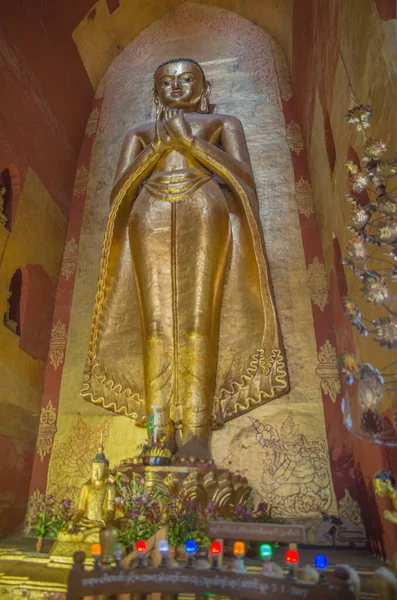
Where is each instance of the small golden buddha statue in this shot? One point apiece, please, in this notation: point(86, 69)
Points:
point(384, 486)
point(96, 504)
point(3, 191)
point(184, 318)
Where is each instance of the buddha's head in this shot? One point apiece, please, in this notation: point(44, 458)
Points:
point(100, 466)
point(181, 83)
point(383, 483)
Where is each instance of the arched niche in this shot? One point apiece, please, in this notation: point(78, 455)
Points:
point(10, 189)
point(29, 305)
point(251, 82)
point(100, 38)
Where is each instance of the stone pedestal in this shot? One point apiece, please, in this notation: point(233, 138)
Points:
point(199, 481)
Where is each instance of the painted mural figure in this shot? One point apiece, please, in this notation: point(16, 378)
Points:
point(185, 318)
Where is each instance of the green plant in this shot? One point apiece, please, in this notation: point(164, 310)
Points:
point(49, 516)
point(143, 511)
point(186, 521)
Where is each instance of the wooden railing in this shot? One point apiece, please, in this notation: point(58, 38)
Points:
point(174, 581)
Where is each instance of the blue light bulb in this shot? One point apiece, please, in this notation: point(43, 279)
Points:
point(190, 547)
point(320, 561)
point(164, 546)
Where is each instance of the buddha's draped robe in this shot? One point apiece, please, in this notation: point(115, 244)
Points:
point(184, 300)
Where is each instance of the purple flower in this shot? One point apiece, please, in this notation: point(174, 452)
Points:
point(66, 503)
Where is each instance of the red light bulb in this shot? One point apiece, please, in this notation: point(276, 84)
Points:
point(216, 548)
point(141, 547)
point(291, 556)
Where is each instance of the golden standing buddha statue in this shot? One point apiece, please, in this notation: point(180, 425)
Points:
point(96, 508)
point(185, 319)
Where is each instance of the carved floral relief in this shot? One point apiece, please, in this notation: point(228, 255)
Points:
point(328, 371)
point(304, 197)
point(317, 283)
point(57, 344)
point(47, 430)
point(295, 137)
point(70, 256)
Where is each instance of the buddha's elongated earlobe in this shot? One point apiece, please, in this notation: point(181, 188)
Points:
point(158, 104)
point(204, 102)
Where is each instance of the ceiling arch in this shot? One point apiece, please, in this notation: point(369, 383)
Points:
point(101, 36)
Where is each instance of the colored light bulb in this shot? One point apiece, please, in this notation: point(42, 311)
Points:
point(118, 553)
point(291, 556)
point(141, 547)
point(164, 546)
point(266, 551)
point(96, 550)
point(320, 561)
point(216, 548)
point(190, 547)
point(118, 547)
point(239, 548)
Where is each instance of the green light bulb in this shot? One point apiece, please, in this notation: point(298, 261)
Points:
point(266, 551)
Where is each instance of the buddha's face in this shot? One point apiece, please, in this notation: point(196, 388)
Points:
point(382, 488)
point(99, 471)
point(180, 85)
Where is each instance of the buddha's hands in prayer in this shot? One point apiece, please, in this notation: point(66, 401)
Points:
point(178, 128)
point(162, 140)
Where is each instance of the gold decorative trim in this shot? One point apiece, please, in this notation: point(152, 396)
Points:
point(92, 123)
point(317, 283)
point(271, 374)
point(57, 344)
point(304, 197)
point(328, 371)
point(81, 181)
point(70, 256)
point(110, 385)
point(47, 430)
point(295, 138)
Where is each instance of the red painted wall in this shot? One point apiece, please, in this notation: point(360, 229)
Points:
point(387, 9)
point(45, 91)
point(45, 102)
point(315, 55)
point(316, 39)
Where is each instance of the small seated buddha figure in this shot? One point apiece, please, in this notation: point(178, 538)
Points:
point(385, 486)
point(96, 504)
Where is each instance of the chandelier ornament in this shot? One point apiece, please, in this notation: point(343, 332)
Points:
point(372, 256)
